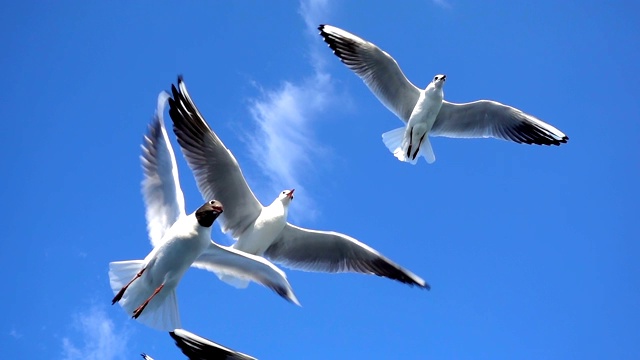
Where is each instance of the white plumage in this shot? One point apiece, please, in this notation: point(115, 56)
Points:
point(264, 230)
point(425, 112)
point(180, 241)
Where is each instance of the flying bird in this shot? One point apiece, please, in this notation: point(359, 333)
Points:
point(199, 348)
point(146, 288)
point(425, 112)
point(264, 230)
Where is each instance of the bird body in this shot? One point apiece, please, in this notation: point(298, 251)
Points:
point(181, 246)
point(150, 296)
point(414, 140)
point(266, 228)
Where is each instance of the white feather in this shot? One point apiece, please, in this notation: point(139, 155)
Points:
point(162, 311)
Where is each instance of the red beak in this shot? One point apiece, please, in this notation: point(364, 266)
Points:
point(290, 194)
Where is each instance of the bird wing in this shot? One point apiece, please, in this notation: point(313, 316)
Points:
point(230, 261)
point(379, 71)
point(486, 118)
point(199, 348)
point(216, 170)
point(161, 191)
point(328, 251)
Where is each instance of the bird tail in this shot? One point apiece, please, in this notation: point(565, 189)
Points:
point(161, 313)
point(426, 150)
point(393, 140)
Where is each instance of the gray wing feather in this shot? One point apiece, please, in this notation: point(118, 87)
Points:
point(485, 118)
point(237, 263)
point(164, 201)
point(327, 251)
point(216, 170)
point(379, 71)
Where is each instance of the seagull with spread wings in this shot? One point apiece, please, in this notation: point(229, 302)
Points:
point(146, 288)
point(425, 112)
point(264, 230)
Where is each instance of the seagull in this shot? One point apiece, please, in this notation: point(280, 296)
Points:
point(425, 112)
point(199, 348)
point(264, 230)
point(179, 241)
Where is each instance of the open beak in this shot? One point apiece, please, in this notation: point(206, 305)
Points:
point(290, 194)
point(217, 208)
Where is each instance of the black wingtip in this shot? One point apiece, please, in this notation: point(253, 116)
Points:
point(174, 92)
point(180, 78)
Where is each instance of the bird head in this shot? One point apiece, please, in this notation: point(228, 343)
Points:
point(438, 80)
point(208, 213)
point(286, 196)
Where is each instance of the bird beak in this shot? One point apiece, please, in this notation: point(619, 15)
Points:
point(444, 77)
point(217, 208)
point(290, 194)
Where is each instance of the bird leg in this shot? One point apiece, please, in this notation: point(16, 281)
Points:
point(418, 149)
point(410, 141)
point(124, 288)
point(138, 311)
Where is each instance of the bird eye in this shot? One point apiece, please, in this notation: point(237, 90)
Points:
point(210, 202)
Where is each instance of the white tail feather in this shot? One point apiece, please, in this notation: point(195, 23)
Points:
point(161, 313)
point(393, 139)
point(426, 150)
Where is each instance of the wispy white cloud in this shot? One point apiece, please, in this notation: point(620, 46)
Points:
point(97, 337)
point(313, 12)
point(15, 334)
point(285, 148)
point(442, 3)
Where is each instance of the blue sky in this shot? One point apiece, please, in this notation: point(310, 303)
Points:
point(530, 251)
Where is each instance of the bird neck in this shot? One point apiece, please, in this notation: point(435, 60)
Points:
point(434, 92)
point(278, 207)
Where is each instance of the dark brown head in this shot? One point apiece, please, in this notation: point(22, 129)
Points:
point(208, 213)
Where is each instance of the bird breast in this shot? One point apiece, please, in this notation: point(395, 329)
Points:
point(427, 108)
point(182, 245)
point(264, 231)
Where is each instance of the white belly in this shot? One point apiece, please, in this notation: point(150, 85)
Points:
point(261, 234)
point(425, 112)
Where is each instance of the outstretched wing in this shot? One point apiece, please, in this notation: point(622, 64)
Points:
point(224, 260)
point(328, 251)
point(216, 170)
point(379, 71)
point(486, 118)
point(163, 198)
point(199, 348)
